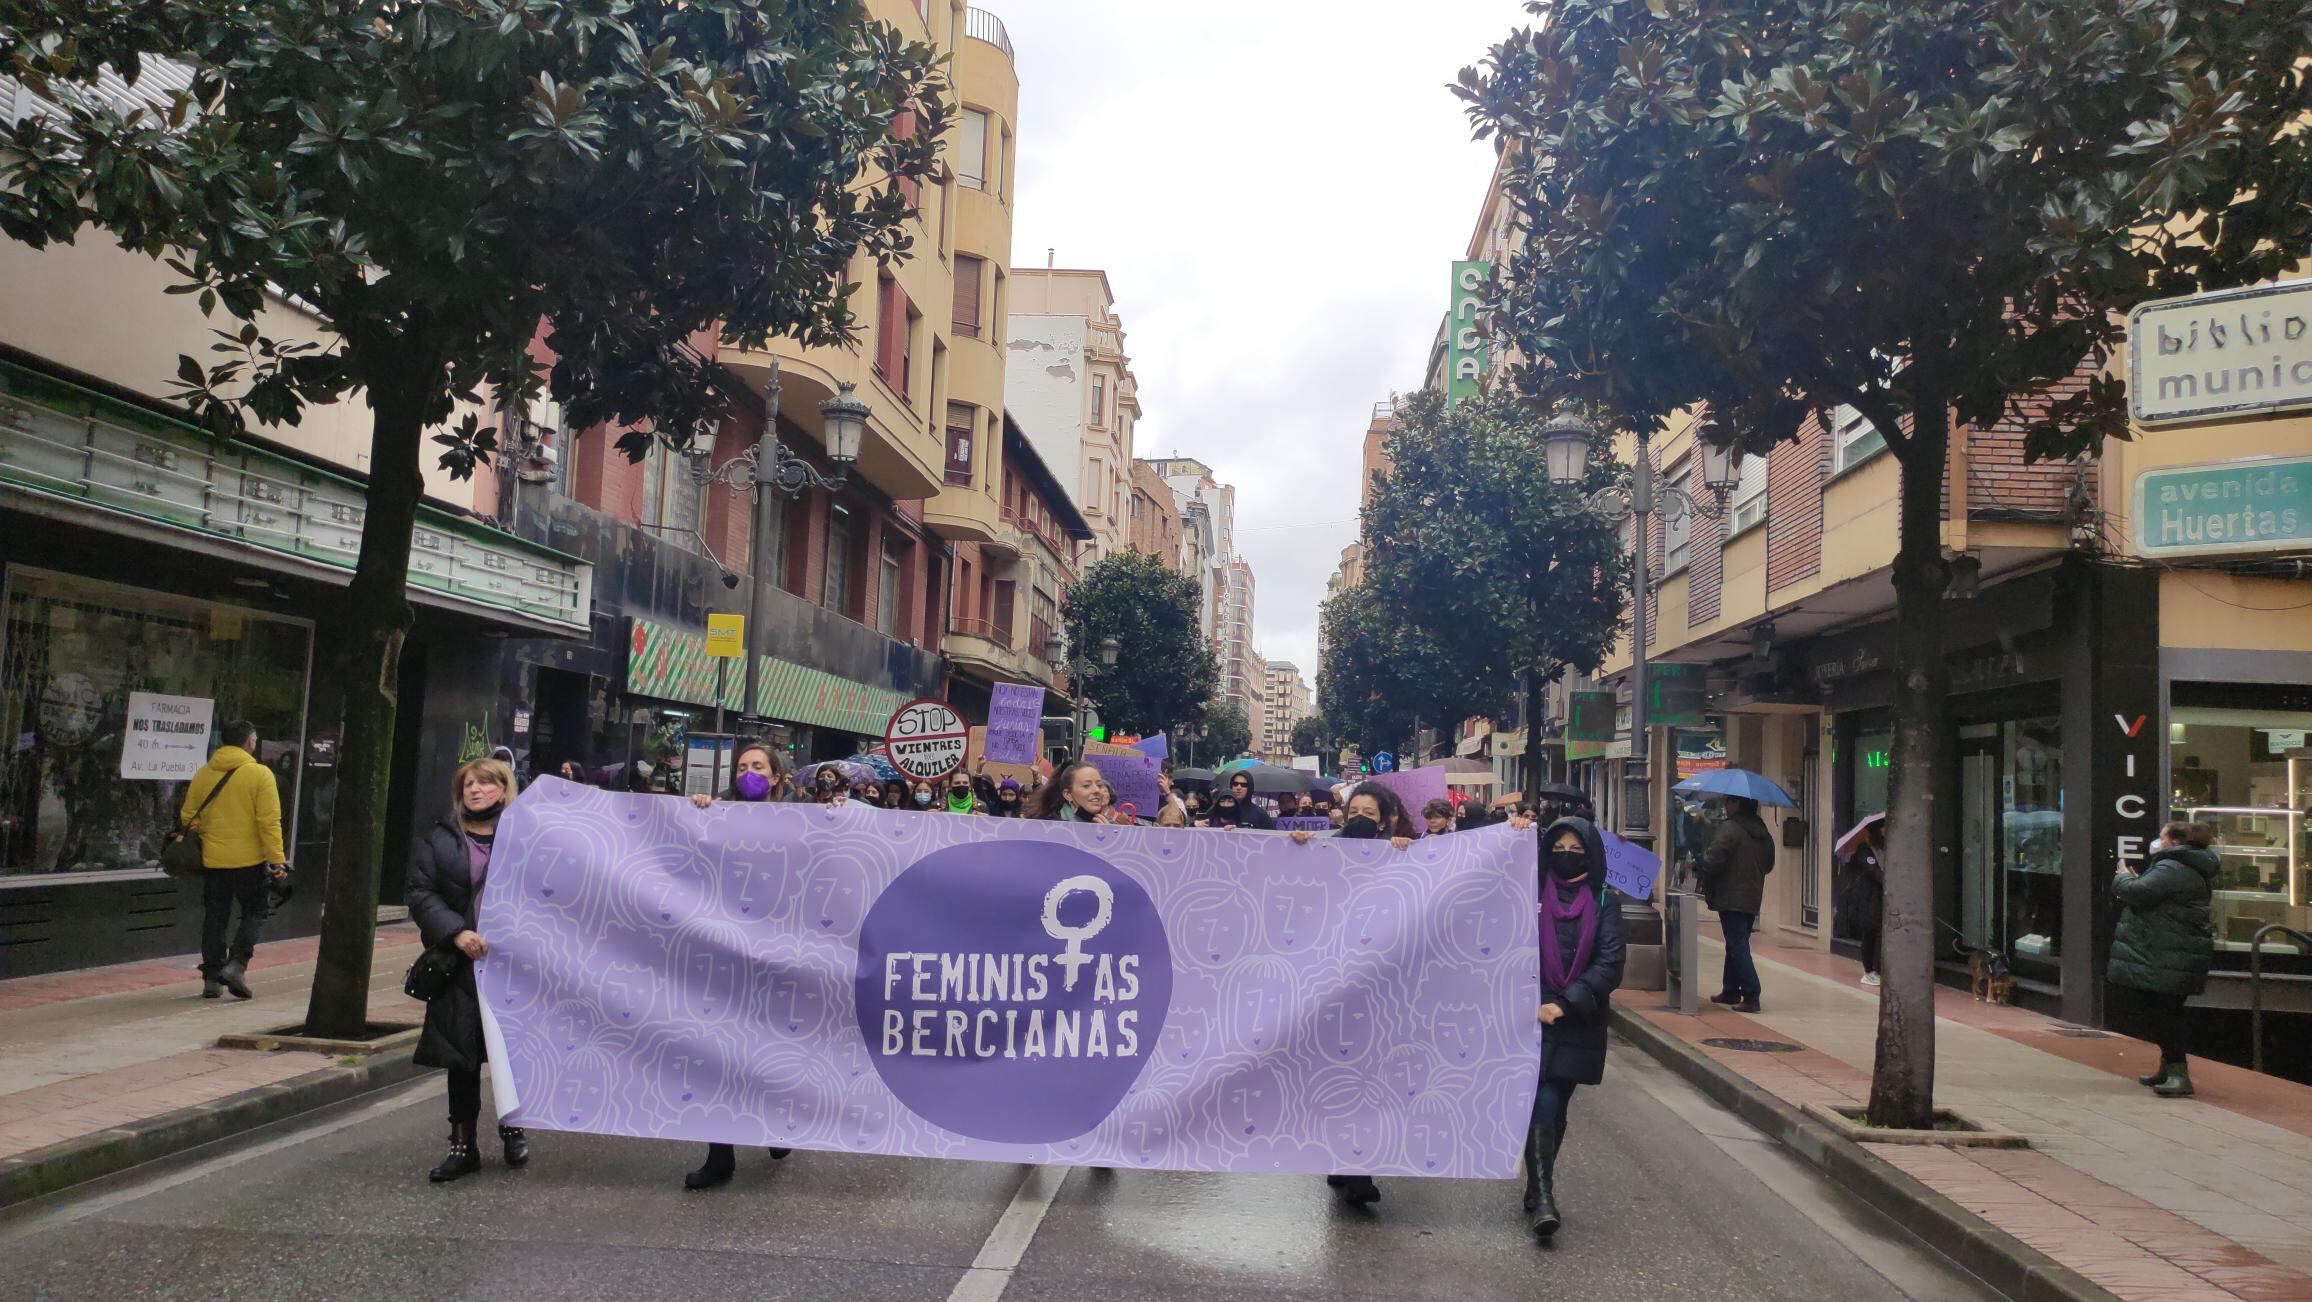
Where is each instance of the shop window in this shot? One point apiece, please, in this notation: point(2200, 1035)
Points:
point(1874, 750)
point(2248, 774)
point(2011, 843)
point(72, 654)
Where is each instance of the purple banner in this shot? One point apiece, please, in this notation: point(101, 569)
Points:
point(1015, 713)
point(1416, 787)
point(1134, 778)
point(876, 981)
point(1630, 868)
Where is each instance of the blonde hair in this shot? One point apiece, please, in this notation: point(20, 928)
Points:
point(488, 770)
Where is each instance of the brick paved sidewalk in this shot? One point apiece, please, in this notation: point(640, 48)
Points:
point(89, 1051)
point(2147, 1197)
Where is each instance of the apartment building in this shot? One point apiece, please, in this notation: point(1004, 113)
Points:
point(1007, 592)
point(1287, 703)
point(1207, 510)
point(1155, 526)
point(1070, 384)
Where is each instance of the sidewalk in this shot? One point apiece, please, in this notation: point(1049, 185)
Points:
point(2209, 1197)
point(82, 1053)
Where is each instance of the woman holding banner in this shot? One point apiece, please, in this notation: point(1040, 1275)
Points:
point(1581, 965)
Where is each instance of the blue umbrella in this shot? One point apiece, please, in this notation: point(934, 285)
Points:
point(1737, 782)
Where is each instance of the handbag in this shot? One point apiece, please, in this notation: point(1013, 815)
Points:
point(430, 974)
point(181, 845)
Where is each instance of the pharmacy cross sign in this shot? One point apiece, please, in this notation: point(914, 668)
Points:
point(926, 740)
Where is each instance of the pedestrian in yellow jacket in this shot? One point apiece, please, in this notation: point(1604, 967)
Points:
point(240, 851)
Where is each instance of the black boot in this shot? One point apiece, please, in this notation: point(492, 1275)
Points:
point(779, 1154)
point(1358, 1190)
point(1541, 1212)
point(517, 1145)
point(722, 1161)
point(464, 1158)
point(2165, 1070)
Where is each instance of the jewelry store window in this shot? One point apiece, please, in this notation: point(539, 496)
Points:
point(2247, 772)
point(110, 699)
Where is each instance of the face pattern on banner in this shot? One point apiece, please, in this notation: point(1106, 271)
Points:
point(872, 981)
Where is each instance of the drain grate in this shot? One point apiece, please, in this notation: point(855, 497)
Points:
point(1753, 1046)
point(2082, 1033)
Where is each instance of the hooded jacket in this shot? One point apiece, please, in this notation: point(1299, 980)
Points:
point(1739, 857)
point(243, 828)
point(1574, 1050)
point(2163, 943)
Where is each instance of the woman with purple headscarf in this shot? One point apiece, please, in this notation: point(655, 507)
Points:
point(1581, 964)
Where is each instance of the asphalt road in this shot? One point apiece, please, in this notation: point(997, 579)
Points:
point(1665, 1196)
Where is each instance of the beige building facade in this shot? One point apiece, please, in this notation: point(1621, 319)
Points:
point(1071, 388)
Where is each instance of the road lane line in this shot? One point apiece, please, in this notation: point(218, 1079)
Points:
point(1007, 1243)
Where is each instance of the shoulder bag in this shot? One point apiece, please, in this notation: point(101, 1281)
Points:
point(181, 845)
point(431, 974)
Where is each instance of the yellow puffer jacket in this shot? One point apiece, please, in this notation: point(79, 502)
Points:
point(243, 829)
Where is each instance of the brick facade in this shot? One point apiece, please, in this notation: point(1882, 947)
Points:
point(1794, 482)
point(1705, 567)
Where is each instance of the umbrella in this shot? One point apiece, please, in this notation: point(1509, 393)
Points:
point(1271, 780)
point(1192, 779)
point(1737, 782)
point(1854, 835)
point(1563, 791)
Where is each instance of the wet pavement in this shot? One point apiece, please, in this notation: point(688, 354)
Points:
point(1665, 1196)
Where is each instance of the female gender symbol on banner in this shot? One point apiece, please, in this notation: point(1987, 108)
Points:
point(1075, 957)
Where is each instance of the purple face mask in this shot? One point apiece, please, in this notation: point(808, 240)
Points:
point(751, 785)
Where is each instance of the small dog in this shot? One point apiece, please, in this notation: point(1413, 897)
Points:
point(1993, 982)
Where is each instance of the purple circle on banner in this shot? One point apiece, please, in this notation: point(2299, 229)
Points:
point(965, 994)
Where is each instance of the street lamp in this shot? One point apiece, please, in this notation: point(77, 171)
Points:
point(768, 463)
point(1566, 447)
point(1079, 668)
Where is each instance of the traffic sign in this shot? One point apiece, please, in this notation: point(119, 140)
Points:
point(726, 636)
point(1384, 763)
point(926, 740)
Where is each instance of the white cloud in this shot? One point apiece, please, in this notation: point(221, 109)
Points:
point(1276, 191)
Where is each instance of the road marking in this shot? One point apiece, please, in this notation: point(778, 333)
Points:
point(80, 1210)
point(991, 1270)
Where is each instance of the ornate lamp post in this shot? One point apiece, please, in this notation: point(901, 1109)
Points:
point(767, 464)
point(1079, 668)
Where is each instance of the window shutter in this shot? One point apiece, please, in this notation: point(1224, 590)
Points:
point(967, 277)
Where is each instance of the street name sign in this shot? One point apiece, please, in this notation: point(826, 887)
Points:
point(2263, 504)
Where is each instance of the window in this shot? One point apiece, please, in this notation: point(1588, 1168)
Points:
point(836, 595)
point(996, 161)
point(967, 276)
point(1099, 398)
point(903, 128)
point(971, 150)
point(1853, 439)
point(962, 419)
point(2241, 761)
point(1043, 617)
point(670, 497)
point(887, 587)
point(1000, 609)
point(890, 330)
point(1677, 531)
point(1095, 481)
point(1749, 505)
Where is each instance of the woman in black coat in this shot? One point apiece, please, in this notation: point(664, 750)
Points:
point(1581, 965)
point(447, 874)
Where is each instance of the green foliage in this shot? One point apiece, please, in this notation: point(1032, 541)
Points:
point(1381, 673)
point(1475, 547)
point(1310, 735)
point(1230, 733)
point(440, 179)
point(1779, 207)
point(1164, 670)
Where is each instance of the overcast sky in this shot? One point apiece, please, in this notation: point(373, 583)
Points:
point(1276, 189)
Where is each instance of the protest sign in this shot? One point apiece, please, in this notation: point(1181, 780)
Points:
point(1416, 787)
point(872, 981)
point(1014, 723)
point(926, 740)
point(996, 771)
point(1155, 746)
point(1630, 868)
point(1134, 778)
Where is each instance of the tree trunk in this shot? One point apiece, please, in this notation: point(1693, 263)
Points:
point(375, 622)
point(1529, 764)
point(1903, 1077)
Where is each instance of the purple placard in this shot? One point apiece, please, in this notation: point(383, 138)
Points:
point(1416, 787)
point(1154, 746)
point(820, 977)
point(1134, 778)
point(1014, 714)
point(1299, 824)
point(1630, 868)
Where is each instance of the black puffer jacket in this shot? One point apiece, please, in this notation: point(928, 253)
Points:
point(1736, 864)
point(2163, 943)
point(441, 903)
point(1574, 1050)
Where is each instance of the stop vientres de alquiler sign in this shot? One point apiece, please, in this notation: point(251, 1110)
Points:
point(926, 740)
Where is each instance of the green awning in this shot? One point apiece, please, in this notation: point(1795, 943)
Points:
point(799, 694)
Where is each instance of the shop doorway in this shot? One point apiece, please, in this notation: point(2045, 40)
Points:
point(2010, 847)
point(560, 729)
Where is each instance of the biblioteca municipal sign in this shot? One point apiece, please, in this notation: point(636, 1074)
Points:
point(2224, 355)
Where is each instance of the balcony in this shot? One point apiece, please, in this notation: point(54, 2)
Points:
point(983, 646)
point(980, 25)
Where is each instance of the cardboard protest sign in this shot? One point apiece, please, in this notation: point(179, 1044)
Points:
point(1134, 778)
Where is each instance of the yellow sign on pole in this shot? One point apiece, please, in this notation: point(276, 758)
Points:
point(726, 636)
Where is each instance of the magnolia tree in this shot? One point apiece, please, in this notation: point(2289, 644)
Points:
point(445, 182)
point(1927, 210)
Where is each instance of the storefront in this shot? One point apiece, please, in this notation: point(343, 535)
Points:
point(2238, 760)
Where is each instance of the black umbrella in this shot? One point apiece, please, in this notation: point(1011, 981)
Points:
point(1193, 779)
point(1271, 780)
point(1561, 791)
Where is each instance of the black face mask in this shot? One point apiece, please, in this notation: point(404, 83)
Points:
point(1362, 828)
point(1227, 802)
point(482, 815)
point(1565, 865)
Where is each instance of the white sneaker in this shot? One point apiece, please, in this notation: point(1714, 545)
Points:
point(1870, 978)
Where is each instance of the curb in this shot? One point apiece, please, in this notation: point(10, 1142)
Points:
point(77, 1161)
point(2009, 1266)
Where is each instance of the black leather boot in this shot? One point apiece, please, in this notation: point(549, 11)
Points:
point(464, 1158)
point(517, 1145)
point(779, 1154)
point(1541, 1212)
point(1358, 1190)
point(722, 1161)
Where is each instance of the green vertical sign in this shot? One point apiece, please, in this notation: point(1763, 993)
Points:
point(1678, 695)
point(1591, 724)
point(1465, 358)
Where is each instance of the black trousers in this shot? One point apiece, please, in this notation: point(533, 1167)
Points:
point(221, 889)
point(465, 1096)
point(1869, 937)
point(2165, 1018)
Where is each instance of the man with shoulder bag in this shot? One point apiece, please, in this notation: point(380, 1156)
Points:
point(233, 806)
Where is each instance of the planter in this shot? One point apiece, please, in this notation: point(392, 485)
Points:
point(1951, 1130)
point(382, 1037)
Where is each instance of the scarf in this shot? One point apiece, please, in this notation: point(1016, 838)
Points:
point(1557, 970)
point(478, 858)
